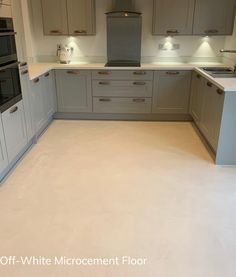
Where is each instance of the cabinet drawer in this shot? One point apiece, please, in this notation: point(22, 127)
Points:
point(123, 75)
point(5, 10)
point(122, 88)
point(122, 105)
point(15, 130)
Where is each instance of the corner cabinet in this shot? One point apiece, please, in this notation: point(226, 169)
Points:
point(214, 17)
point(69, 17)
point(173, 17)
point(74, 90)
point(171, 92)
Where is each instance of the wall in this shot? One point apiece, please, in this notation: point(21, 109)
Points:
point(94, 47)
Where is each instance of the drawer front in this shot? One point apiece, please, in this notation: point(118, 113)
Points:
point(122, 105)
point(122, 88)
point(123, 75)
point(5, 10)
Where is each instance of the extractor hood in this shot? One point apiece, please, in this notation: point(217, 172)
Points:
point(123, 6)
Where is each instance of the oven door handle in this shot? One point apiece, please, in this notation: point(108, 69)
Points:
point(9, 66)
point(2, 34)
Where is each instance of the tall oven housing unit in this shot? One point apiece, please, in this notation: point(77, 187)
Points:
point(124, 34)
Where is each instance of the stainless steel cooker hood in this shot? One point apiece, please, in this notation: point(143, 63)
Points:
point(124, 33)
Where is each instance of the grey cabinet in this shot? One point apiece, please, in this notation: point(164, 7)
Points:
point(211, 114)
point(69, 17)
point(49, 94)
point(173, 17)
point(81, 17)
point(74, 92)
point(55, 17)
point(171, 92)
point(3, 150)
point(27, 102)
point(214, 17)
point(196, 97)
point(14, 130)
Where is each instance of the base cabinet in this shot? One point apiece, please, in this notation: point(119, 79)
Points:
point(171, 92)
point(14, 130)
point(49, 94)
point(3, 150)
point(74, 91)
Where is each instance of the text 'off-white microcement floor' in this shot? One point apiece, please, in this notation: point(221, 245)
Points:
point(94, 189)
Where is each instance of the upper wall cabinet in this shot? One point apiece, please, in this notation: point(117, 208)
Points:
point(68, 17)
point(81, 17)
point(173, 17)
point(214, 17)
point(55, 17)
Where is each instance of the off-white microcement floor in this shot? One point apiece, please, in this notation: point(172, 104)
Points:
point(94, 189)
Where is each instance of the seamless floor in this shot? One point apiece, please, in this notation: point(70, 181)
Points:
point(96, 189)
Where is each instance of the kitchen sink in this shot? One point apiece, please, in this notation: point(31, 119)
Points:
point(220, 72)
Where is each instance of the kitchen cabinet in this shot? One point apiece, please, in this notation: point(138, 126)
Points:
point(55, 17)
point(211, 113)
point(14, 130)
point(81, 17)
point(69, 17)
point(27, 102)
point(5, 2)
point(135, 75)
point(49, 94)
point(74, 90)
point(196, 97)
point(173, 17)
point(3, 150)
point(214, 17)
point(5, 10)
point(171, 92)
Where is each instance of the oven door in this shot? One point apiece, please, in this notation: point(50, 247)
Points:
point(7, 48)
point(10, 88)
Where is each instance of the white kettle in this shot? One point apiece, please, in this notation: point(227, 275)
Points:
point(64, 53)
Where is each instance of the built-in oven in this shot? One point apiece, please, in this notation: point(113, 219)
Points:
point(10, 87)
point(7, 41)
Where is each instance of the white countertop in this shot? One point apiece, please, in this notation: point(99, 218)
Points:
point(226, 84)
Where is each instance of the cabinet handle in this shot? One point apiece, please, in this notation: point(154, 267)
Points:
point(139, 83)
point(139, 73)
point(80, 32)
point(104, 83)
point(139, 100)
point(104, 73)
point(198, 76)
point(24, 72)
point(47, 74)
point(13, 110)
point(219, 91)
point(74, 72)
point(172, 72)
point(211, 31)
point(209, 84)
point(104, 100)
point(36, 80)
point(23, 64)
point(55, 31)
point(172, 32)
point(3, 81)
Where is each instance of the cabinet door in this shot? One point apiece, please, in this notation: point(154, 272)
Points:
point(196, 96)
point(171, 92)
point(212, 107)
point(55, 17)
point(81, 17)
point(49, 94)
point(38, 103)
point(15, 130)
point(74, 91)
point(3, 150)
point(173, 17)
point(27, 102)
point(214, 17)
